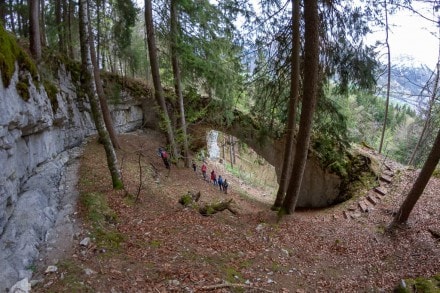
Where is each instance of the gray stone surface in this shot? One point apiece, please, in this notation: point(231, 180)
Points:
point(38, 159)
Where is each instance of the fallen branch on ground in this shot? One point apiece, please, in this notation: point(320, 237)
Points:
point(233, 285)
point(210, 209)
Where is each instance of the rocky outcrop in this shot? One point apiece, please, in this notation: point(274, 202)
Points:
point(37, 141)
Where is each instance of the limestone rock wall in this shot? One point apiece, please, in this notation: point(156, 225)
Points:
point(36, 144)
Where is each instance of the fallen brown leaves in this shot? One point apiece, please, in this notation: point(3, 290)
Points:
point(170, 248)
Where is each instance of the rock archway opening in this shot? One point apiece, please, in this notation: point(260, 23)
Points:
point(241, 165)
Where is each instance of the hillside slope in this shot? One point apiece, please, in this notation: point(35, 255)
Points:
point(155, 244)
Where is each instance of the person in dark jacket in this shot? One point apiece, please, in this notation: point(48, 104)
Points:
point(225, 186)
point(220, 182)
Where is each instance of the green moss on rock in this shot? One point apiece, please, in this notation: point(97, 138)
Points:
point(10, 52)
point(420, 284)
point(52, 91)
point(23, 90)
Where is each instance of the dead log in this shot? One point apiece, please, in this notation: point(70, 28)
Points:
point(233, 285)
point(210, 209)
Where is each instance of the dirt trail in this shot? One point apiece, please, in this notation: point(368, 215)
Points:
point(169, 248)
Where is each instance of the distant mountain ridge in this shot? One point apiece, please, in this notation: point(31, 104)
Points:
point(408, 81)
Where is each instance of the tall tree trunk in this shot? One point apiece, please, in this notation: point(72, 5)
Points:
point(177, 79)
point(34, 29)
point(22, 21)
point(100, 91)
point(12, 17)
point(223, 147)
point(98, 34)
point(87, 71)
point(291, 116)
point(64, 9)
point(154, 62)
point(420, 184)
point(428, 116)
point(43, 40)
point(311, 80)
point(3, 9)
point(103, 42)
point(233, 142)
point(70, 16)
point(231, 155)
point(388, 78)
point(59, 25)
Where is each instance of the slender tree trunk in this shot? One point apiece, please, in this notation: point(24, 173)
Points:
point(69, 28)
point(98, 34)
point(43, 40)
point(3, 9)
point(420, 184)
point(233, 142)
point(34, 29)
point(23, 25)
point(65, 12)
point(428, 116)
point(311, 80)
point(177, 79)
point(87, 71)
point(158, 91)
point(11, 13)
point(388, 78)
point(291, 117)
point(101, 95)
point(103, 42)
point(231, 155)
point(147, 69)
point(59, 25)
point(224, 146)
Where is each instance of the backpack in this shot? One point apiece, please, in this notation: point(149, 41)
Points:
point(164, 154)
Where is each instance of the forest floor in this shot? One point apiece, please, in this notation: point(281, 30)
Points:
point(151, 243)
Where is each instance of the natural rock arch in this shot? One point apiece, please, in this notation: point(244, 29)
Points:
point(320, 188)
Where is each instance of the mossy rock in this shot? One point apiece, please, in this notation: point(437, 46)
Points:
point(23, 90)
point(113, 85)
point(420, 284)
point(10, 52)
point(52, 91)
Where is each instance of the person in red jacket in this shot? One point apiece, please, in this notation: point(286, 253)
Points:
point(213, 177)
point(164, 155)
point(204, 171)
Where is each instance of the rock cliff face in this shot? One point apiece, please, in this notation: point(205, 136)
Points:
point(36, 145)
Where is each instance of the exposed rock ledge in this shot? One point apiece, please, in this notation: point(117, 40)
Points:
point(38, 148)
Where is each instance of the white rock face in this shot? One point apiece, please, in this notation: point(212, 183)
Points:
point(36, 144)
point(213, 148)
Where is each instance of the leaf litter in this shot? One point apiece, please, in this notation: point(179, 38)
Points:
point(166, 247)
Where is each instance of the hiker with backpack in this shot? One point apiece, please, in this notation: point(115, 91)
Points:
point(194, 166)
point(204, 171)
point(164, 155)
point(220, 182)
point(214, 177)
point(225, 186)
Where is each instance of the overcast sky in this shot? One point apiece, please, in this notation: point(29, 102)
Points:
point(415, 36)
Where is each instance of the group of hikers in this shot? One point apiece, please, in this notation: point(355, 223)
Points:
point(220, 182)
